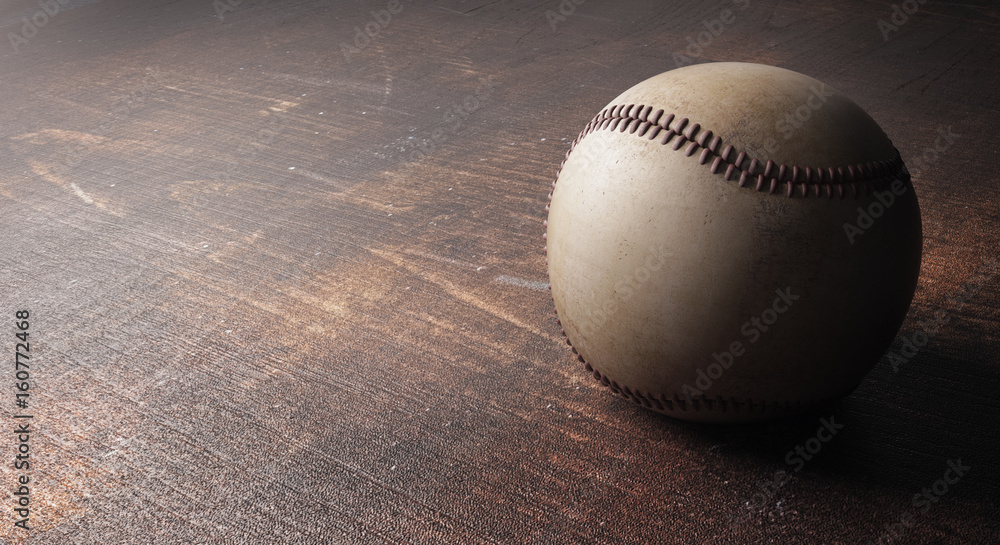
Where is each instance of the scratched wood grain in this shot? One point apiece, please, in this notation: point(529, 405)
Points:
point(287, 285)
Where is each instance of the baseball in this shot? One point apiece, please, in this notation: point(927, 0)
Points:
point(731, 242)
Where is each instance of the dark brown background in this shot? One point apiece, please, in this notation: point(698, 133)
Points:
point(362, 349)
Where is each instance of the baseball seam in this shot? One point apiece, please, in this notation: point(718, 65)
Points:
point(857, 180)
point(667, 404)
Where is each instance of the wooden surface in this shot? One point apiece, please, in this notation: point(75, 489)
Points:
point(259, 315)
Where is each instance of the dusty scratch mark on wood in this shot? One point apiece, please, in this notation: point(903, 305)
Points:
point(539, 285)
point(461, 294)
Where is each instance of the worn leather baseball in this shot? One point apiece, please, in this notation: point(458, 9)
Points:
point(731, 242)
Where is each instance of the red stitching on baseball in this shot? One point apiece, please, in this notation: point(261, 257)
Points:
point(637, 120)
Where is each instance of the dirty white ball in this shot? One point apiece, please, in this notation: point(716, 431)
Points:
point(732, 242)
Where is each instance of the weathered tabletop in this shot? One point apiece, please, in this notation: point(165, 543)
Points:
point(286, 282)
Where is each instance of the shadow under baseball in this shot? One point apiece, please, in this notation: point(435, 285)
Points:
point(898, 428)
